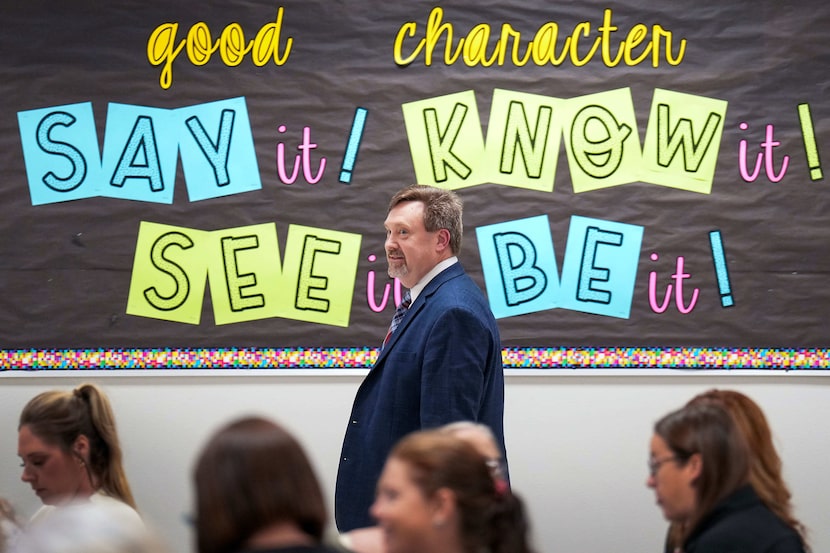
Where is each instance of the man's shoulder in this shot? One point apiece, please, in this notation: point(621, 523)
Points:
point(454, 277)
point(458, 293)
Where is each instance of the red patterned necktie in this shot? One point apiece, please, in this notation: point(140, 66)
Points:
point(400, 311)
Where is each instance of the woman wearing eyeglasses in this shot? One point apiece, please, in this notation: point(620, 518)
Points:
point(765, 466)
point(699, 470)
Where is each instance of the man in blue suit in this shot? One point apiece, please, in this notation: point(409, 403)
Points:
point(441, 364)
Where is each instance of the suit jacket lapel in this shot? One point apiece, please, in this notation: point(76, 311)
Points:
point(449, 273)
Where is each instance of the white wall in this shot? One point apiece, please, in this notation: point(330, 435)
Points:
point(577, 442)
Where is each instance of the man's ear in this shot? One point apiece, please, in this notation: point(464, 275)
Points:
point(443, 239)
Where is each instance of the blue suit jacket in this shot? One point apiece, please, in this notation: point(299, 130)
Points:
point(442, 364)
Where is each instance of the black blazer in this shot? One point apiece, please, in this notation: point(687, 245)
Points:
point(742, 524)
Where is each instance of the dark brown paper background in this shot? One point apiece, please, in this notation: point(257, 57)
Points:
point(65, 268)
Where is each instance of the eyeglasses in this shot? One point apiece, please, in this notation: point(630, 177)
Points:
point(655, 464)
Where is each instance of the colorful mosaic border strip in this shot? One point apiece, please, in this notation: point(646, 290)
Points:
point(359, 358)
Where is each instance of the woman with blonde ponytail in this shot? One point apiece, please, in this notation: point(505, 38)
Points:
point(70, 451)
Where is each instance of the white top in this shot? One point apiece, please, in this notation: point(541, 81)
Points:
point(102, 524)
point(8, 532)
point(110, 504)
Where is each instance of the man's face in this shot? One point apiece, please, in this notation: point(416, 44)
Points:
point(411, 250)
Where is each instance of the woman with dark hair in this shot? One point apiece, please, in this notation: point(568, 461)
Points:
point(257, 492)
point(71, 453)
point(765, 467)
point(437, 495)
point(699, 470)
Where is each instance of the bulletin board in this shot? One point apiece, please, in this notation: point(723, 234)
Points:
point(203, 184)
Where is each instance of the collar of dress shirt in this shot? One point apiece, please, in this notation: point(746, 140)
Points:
point(418, 288)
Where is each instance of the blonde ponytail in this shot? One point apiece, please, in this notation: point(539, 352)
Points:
point(105, 452)
point(60, 417)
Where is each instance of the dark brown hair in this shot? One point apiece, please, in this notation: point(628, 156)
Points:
point(764, 463)
point(60, 417)
point(251, 474)
point(492, 520)
point(443, 209)
point(709, 431)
